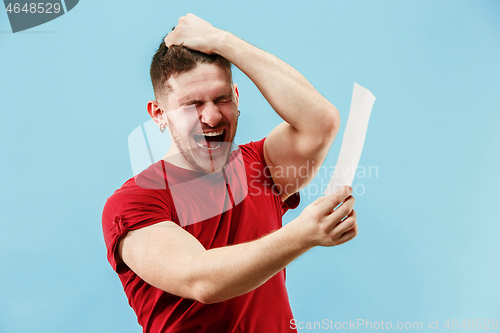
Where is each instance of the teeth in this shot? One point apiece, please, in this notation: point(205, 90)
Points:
point(212, 133)
point(205, 147)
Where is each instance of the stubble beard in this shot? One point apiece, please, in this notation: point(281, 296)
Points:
point(188, 155)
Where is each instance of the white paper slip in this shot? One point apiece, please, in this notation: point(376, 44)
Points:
point(354, 139)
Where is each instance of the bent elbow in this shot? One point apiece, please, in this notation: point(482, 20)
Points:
point(206, 295)
point(333, 120)
point(203, 296)
point(206, 298)
point(328, 127)
point(331, 124)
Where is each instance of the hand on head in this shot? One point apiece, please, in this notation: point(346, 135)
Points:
point(194, 33)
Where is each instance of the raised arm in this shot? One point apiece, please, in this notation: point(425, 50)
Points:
point(311, 121)
point(169, 258)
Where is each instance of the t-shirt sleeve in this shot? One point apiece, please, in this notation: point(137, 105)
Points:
point(130, 208)
point(254, 152)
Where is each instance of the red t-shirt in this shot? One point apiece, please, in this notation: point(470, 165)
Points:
point(225, 208)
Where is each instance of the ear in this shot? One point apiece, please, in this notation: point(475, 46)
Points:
point(156, 112)
point(236, 95)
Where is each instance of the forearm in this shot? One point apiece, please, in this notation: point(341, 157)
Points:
point(169, 258)
point(286, 90)
point(226, 272)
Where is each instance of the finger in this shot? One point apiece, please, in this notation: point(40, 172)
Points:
point(338, 218)
point(344, 188)
point(345, 225)
point(168, 39)
point(319, 200)
point(334, 200)
point(348, 235)
point(344, 209)
point(172, 38)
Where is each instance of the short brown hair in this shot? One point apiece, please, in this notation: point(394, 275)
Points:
point(177, 59)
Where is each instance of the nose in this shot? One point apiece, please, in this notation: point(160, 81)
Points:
point(210, 115)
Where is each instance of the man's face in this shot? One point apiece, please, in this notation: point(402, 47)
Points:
point(201, 112)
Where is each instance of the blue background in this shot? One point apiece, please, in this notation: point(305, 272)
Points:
point(73, 89)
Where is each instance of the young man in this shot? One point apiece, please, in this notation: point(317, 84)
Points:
point(196, 239)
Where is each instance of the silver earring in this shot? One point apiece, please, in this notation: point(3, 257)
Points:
point(238, 113)
point(162, 125)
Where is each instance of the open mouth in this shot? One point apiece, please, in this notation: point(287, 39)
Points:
point(209, 140)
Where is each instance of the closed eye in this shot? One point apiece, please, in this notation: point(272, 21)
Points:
point(226, 98)
point(192, 103)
